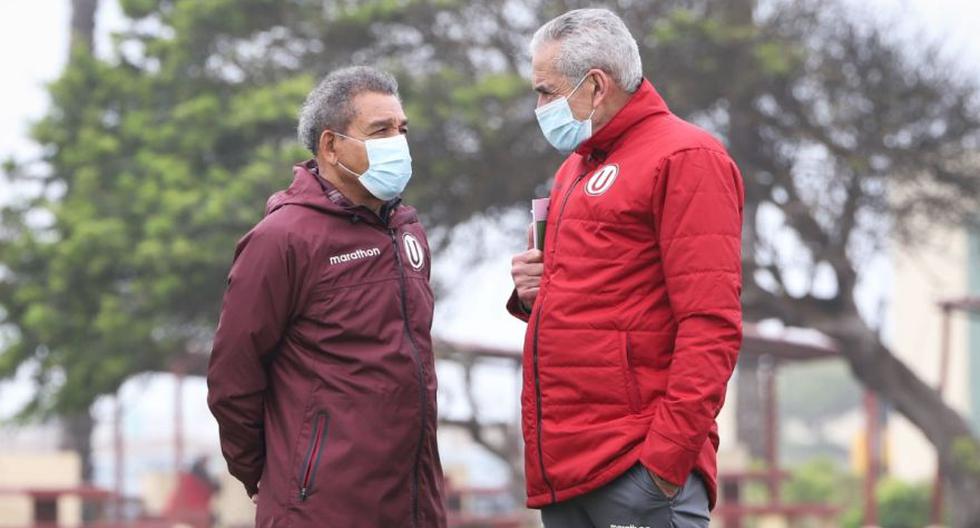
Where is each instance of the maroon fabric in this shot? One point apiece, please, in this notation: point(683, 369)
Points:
point(637, 324)
point(322, 377)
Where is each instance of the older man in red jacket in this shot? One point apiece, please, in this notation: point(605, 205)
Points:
point(633, 306)
point(322, 377)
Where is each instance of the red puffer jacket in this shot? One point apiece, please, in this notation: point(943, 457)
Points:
point(637, 325)
point(322, 377)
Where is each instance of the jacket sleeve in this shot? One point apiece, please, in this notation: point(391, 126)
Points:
point(697, 206)
point(257, 306)
point(516, 308)
point(514, 305)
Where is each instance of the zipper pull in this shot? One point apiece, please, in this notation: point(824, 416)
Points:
point(303, 493)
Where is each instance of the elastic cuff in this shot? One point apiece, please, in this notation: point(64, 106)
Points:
point(249, 477)
point(666, 459)
point(516, 307)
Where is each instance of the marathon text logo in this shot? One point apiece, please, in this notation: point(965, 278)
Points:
point(355, 255)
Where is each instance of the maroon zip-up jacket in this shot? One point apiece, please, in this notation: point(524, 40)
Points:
point(322, 377)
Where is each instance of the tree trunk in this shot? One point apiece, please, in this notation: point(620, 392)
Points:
point(76, 435)
point(83, 25)
point(872, 363)
point(964, 495)
point(743, 137)
point(879, 370)
point(749, 407)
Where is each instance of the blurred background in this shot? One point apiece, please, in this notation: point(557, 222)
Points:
point(141, 138)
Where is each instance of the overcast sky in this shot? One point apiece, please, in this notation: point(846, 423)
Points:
point(33, 43)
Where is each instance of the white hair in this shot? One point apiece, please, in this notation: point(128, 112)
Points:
point(593, 38)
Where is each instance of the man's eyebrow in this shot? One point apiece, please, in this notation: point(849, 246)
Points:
point(386, 123)
point(544, 89)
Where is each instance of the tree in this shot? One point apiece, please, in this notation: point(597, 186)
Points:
point(845, 140)
point(157, 160)
point(83, 24)
point(161, 158)
point(109, 269)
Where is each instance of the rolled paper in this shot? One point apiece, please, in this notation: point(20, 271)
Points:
point(539, 212)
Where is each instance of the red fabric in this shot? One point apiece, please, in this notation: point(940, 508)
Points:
point(636, 328)
point(191, 499)
point(322, 367)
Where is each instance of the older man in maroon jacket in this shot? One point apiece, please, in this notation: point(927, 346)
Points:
point(322, 377)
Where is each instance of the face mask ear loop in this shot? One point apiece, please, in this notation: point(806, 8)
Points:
point(346, 136)
point(582, 80)
point(589, 118)
point(352, 173)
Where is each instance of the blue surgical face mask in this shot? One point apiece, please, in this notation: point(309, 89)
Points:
point(560, 127)
point(389, 166)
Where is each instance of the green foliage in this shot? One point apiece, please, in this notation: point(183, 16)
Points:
point(903, 505)
point(900, 505)
point(161, 158)
point(812, 395)
point(821, 481)
point(966, 454)
point(155, 175)
point(815, 392)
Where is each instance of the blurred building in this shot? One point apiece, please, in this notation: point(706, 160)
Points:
point(946, 266)
point(40, 487)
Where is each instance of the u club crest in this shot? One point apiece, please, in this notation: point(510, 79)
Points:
point(414, 251)
point(602, 180)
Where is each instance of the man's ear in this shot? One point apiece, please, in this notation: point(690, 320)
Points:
point(602, 86)
point(326, 147)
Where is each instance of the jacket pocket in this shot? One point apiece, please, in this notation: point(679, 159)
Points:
point(311, 462)
point(643, 481)
point(629, 377)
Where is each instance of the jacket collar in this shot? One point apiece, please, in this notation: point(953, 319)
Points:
point(310, 190)
point(645, 102)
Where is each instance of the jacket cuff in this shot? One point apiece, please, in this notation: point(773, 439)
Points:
point(251, 489)
point(666, 459)
point(249, 477)
point(516, 307)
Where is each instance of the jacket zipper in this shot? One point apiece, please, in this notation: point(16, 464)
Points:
point(537, 321)
point(419, 369)
point(313, 454)
point(561, 210)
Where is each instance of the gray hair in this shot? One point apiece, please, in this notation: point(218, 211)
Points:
point(329, 105)
point(593, 38)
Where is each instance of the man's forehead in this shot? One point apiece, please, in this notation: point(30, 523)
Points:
point(374, 107)
point(544, 73)
point(548, 81)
